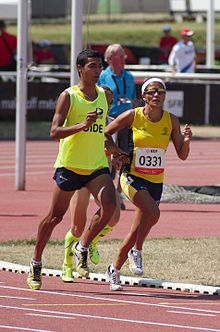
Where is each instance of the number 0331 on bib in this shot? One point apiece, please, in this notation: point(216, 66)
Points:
point(149, 160)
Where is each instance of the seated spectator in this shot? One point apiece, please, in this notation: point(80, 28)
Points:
point(44, 54)
point(166, 44)
point(8, 44)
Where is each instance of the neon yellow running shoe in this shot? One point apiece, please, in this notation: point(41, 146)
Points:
point(34, 279)
point(67, 274)
point(93, 253)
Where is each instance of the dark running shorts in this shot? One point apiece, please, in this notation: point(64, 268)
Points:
point(131, 184)
point(69, 181)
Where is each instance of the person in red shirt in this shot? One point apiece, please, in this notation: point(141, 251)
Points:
point(8, 44)
point(166, 44)
point(44, 55)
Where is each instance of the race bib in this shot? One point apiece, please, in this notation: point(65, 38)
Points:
point(149, 160)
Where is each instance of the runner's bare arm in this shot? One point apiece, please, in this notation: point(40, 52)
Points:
point(180, 141)
point(57, 130)
point(123, 120)
point(114, 149)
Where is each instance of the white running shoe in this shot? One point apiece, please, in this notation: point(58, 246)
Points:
point(113, 276)
point(81, 261)
point(135, 261)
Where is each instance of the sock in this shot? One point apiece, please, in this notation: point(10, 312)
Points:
point(81, 248)
point(35, 263)
point(107, 229)
point(112, 268)
point(136, 250)
point(70, 239)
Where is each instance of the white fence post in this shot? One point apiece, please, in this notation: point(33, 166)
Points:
point(21, 95)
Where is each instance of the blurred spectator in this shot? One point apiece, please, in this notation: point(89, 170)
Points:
point(35, 52)
point(183, 57)
point(121, 82)
point(44, 55)
point(166, 44)
point(8, 44)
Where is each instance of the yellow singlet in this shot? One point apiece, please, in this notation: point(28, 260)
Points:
point(148, 142)
point(83, 152)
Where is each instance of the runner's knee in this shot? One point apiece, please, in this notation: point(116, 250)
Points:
point(115, 218)
point(56, 218)
point(152, 217)
point(77, 230)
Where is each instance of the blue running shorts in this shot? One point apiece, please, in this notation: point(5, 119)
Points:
point(69, 181)
point(131, 184)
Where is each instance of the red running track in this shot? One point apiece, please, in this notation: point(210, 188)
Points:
point(21, 211)
point(89, 305)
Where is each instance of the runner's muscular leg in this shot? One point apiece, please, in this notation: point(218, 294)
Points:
point(128, 242)
point(102, 188)
point(59, 206)
point(146, 215)
point(78, 208)
point(116, 215)
point(149, 215)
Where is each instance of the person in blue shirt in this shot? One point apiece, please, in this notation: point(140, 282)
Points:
point(121, 82)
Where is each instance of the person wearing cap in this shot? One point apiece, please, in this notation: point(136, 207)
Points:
point(150, 129)
point(45, 55)
point(182, 58)
point(166, 44)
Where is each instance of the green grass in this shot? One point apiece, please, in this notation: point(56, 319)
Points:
point(145, 31)
point(35, 130)
point(184, 260)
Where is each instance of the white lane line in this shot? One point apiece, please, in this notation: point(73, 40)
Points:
point(17, 297)
point(112, 299)
point(16, 328)
point(190, 313)
point(51, 316)
point(114, 319)
point(149, 295)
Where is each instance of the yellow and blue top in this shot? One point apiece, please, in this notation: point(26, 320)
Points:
point(148, 142)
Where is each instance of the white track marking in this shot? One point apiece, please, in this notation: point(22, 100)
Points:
point(190, 313)
point(114, 319)
point(112, 299)
point(18, 298)
point(51, 316)
point(16, 328)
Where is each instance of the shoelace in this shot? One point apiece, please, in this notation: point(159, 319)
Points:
point(115, 277)
point(84, 259)
point(138, 260)
point(37, 273)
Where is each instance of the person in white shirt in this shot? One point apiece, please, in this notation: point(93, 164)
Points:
point(182, 58)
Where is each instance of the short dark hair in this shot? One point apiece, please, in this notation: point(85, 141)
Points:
point(83, 56)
